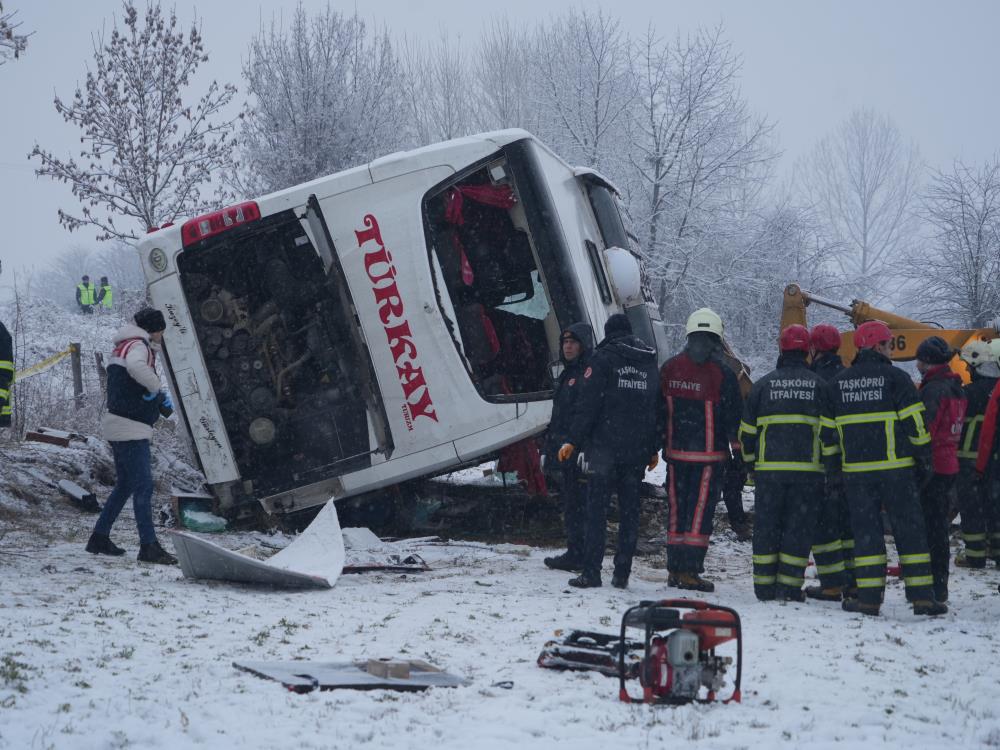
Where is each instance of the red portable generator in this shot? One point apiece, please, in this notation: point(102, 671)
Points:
point(679, 663)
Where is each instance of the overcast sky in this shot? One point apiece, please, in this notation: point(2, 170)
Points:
point(931, 66)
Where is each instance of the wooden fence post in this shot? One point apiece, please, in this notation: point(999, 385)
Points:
point(74, 356)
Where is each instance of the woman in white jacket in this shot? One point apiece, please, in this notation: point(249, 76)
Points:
point(135, 402)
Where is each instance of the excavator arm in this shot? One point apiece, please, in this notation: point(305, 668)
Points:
point(908, 334)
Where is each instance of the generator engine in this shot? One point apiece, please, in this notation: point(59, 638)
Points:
point(679, 658)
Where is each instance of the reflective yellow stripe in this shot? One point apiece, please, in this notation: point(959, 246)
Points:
point(969, 446)
point(869, 560)
point(833, 546)
point(831, 450)
point(787, 466)
point(919, 581)
point(800, 562)
point(6, 364)
point(974, 537)
point(749, 429)
point(765, 559)
point(975, 552)
point(921, 440)
point(788, 419)
point(748, 457)
point(875, 416)
point(4, 393)
point(847, 543)
point(827, 422)
point(789, 580)
point(763, 580)
point(870, 583)
point(862, 466)
point(5, 411)
point(920, 557)
point(837, 567)
point(912, 410)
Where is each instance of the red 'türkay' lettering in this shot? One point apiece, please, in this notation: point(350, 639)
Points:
point(382, 274)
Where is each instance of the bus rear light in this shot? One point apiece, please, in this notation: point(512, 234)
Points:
point(201, 227)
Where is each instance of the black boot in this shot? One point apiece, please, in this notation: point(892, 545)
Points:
point(101, 544)
point(791, 594)
point(619, 581)
point(929, 607)
point(584, 581)
point(832, 594)
point(856, 605)
point(154, 553)
point(563, 562)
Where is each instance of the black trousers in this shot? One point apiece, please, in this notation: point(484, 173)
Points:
point(572, 486)
point(934, 502)
point(833, 543)
point(622, 479)
point(734, 478)
point(980, 509)
point(693, 491)
point(784, 523)
point(896, 490)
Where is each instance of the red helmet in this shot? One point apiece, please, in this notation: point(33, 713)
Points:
point(825, 338)
point(871, 333)
point(795, 338)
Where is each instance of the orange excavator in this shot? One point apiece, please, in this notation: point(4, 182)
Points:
point(907, 333)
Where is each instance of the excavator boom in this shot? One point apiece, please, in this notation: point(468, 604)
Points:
point(908, 334)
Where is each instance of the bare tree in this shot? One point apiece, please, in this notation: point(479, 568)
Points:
point(699, 159)
point(863, 179)
point(325, 98)
point(12, 44)
point(439, 96)
point(503, 76)
point(958, 280)
point(585, 85)
point(146, 153)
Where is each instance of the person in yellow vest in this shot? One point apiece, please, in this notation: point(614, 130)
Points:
point(104, 294)
point(86, 295)
point(6, 374)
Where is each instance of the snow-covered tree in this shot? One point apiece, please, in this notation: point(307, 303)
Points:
point(12, 44)
point(699, 159)
point(863, 180)
point(325, 97)
point(584, 86)
point(502, 72)
point(958, 280)
point(439, 93)
point(147, 149)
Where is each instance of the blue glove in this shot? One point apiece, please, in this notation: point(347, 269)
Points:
point(151, 396)
point(166, 400)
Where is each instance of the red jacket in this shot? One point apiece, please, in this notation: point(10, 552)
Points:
point(987, 437)
point(945, 404)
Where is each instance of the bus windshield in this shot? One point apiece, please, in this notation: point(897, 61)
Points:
point(499, 274)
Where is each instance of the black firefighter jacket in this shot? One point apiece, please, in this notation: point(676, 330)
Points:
point(619, 409)
point(703, 409)
point(977, 395)
point(879, 416)
point(786, 419)
point(566, 392)
point(827, 365)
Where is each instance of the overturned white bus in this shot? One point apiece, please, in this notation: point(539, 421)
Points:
point(388, 322)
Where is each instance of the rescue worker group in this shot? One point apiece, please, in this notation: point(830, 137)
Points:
point(839, 455)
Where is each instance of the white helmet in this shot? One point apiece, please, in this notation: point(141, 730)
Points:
point(978, 352)
point(995, 350)
point(704, 319)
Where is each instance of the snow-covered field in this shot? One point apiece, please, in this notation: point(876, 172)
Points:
point(98, 652)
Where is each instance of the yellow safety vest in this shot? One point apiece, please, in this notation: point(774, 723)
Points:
point(106, 299)
point(86, 293)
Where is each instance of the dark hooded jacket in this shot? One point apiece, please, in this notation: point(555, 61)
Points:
point(616, 416)
point(567, 391)
point(945, 406)
point(977, 395)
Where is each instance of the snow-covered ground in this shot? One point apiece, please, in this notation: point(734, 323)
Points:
point(100, 652)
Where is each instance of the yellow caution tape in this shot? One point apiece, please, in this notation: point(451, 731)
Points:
point(42, 366)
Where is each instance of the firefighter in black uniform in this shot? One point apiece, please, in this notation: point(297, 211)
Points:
point(6, 374)
point(780, 439)
point(883, 444)
point(615, 424)
point(833, 543)
point(576, 344)
point(979, 517)
point(703, 417)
